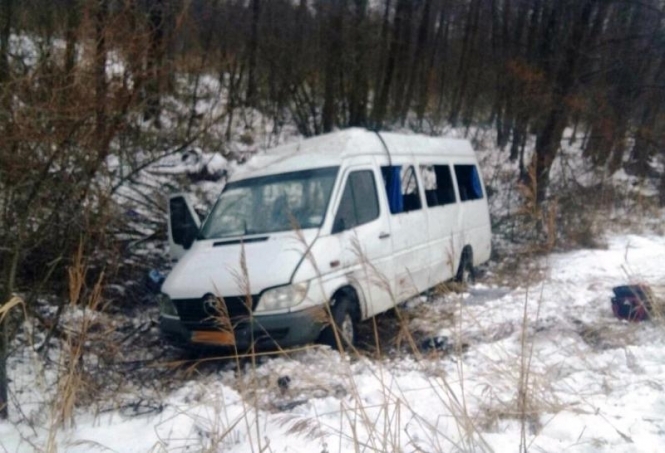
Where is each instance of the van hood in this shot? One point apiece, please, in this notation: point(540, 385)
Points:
point(214, 266)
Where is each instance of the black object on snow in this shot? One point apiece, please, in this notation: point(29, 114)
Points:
point(631, 302)
point(438, 343)
point(283, 383)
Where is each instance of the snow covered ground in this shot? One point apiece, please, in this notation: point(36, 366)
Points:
point(531, 356)
point(541, 362)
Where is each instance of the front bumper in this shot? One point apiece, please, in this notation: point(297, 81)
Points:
point(264, 332)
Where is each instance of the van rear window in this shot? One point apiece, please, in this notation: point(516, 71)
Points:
point(468, 182)
point(438, 184)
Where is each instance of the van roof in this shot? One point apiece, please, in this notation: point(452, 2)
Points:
point(330, 149)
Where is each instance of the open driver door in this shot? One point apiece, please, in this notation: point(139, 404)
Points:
point(183, 224)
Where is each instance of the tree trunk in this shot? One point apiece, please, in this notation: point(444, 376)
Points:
point(519, 135)
point(253, 54)
point(549, 138)
point(661, 190)
point(628, 80)
point(155, 60)
point(498, 48)
point(547, 145)
point(334, 23)
point(71, 39)
point(4, 381)
point(381, 105)
point(359, 87)
point(514, 105)
point(5, 33)
point(538, 46)
point(645, 141)
point(8, 276)
point(442, 77)
point(464, 66)
point(8, 268)
point(383, 49)
point(618, 145)
point(405, 57)
point(428, 90)
point(100, 70)
point(416, 78)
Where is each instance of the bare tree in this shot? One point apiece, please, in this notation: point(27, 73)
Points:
point(253, 53)
point(359, 80)
point(155, 58)
point(555, 119)
point(333, 18)
point(464, 66)
point(7, 272)
point(396, 48)
point(416, 77)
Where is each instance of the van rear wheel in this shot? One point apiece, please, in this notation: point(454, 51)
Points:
point(344, 322)
point(465, 273)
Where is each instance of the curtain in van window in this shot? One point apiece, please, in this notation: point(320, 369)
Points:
point(475, 184)
point(393, 183)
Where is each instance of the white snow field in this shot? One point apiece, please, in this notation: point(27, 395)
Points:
point(543, 367)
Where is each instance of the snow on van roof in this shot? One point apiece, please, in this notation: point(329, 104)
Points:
point(330, 149)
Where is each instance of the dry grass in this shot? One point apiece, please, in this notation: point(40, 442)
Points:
point(368, 426)
point(13, 302)
point(359, 420)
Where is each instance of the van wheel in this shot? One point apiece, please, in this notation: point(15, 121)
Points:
point(465, 273)
point(344, 318)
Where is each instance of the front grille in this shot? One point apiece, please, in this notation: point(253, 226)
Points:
point(193, 310)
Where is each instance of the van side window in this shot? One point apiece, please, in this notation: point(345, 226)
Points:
point(402, 188)
point(468, 182)
point(438, 184)
point(359, 204)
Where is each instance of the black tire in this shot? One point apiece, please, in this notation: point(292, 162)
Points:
point(346, 324)
point(465, 273)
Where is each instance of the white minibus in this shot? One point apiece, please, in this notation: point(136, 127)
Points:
point(344, 226)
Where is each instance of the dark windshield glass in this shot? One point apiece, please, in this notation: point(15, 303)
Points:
point(271, 203)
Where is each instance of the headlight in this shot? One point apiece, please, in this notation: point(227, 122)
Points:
point(166, 306)
point(282, 297)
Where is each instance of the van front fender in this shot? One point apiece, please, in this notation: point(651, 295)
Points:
point(323, 289)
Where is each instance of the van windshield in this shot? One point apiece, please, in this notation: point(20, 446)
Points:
point(269, 204)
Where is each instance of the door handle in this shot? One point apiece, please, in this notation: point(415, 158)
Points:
point(384, 235)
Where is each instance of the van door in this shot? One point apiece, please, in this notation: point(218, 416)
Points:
point(474, 221)
point(408, 223)
point(443, 217)
point(183, 225)
point(362, 227)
